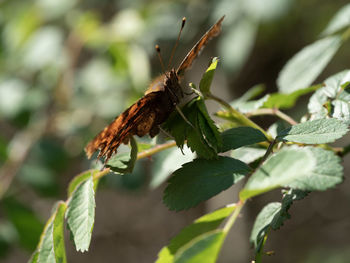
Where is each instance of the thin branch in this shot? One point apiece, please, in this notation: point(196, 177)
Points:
point(156, 149)
point(241, 117)
point(233, 217)
point(275, 112)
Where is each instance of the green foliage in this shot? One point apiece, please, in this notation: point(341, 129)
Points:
point(315, 132)
point(306, 65)
point(306, 168)
point(194, 232)
point(202, 135)
point(205, 83)
point(241, 136)
point(124, 162)
point(200, 180)
point(60, 66)
point(81, 214)
point(339, 21)
point(272, 216)
point(51, 245)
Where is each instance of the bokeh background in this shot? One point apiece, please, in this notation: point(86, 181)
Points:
point(68, 67)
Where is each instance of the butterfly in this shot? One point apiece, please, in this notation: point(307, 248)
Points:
point(159, 101)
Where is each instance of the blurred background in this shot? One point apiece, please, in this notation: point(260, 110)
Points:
point(68, 67)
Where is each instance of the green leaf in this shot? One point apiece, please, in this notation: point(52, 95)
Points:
point(204, 138)
point(202, 179)
point(204, 224)
point(262, 224)
point(289, 196)
point(166, 162)
point(240, 136)
point(51, 245)
point(339, 21)
point(79, 179)
point(250, 94)
point(287, 101)
point(306, 65)
point(123, 163)
point(333, 99)
point(80, 214)
point(315, 132)
point(205, 83)
point(249, 106)
point(304, 168)
point(25, 221)
point(204, 248)
point(272, 216)
point(58, 234)
point(248, 154)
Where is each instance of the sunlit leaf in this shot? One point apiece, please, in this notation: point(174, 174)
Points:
point(339, 21)
point(81, 214)
point(301, 70)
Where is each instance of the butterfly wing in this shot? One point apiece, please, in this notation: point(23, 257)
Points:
point(137, 119)
point(195, 51)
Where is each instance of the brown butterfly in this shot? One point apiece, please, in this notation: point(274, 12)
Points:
point(160, 99)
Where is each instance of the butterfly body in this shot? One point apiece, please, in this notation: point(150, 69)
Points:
point(145, 116)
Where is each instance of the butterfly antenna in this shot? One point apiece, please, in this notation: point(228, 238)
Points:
point(177, 41)
point(160, 58)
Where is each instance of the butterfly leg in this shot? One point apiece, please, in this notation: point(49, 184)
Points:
point(183, 116)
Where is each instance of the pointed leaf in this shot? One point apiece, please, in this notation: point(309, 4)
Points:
point(305, 66)
point(205, 83)
point(204, 248)
point(340, 21)
point(81, 213)
point(58, 234)
point(287, 101)
point(200, 180)
point(306, 168)
point(240, 136)
point(79, 179)
point(204, 224)
point(315, 132)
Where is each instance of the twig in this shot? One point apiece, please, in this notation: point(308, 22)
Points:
point(275, 112)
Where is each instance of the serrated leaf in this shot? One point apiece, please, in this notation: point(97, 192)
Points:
point(262, 224)
point(288, 198)
point(203, 138)
point(204, 248)
point(287, 101)
point(200, 180)
point(205, 83)
point(51, 245)
point(340, 21)
point(240, 136)
point(123, 163)
point(81, 214)
point(272, 216)
point(301, 70)
point(79, 179)
point(315, 132)
point(166, 162)
point(248, 154)
point(304, 168)
point(202, 225)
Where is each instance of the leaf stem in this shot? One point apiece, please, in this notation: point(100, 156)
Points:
point(275, 112)
point(155, 149)
point(233, 216)
point(239, 116)
point(268, 151)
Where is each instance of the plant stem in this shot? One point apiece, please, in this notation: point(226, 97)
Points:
point(233, 216)
point(268, 151)
point(155, 150)
point(237, 115)
point(275, 112)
